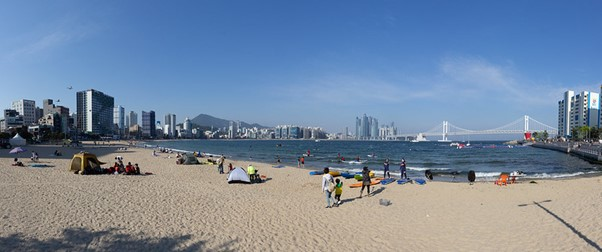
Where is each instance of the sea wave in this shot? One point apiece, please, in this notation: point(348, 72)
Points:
point(487, 174)
point(557, 175)
point(424, 169)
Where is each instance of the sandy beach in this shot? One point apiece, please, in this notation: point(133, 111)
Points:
point(193, 208)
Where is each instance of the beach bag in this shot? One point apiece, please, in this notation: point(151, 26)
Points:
point(331, 186)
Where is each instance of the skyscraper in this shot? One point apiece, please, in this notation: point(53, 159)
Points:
point(133, 119)
point(26, 108)
point(119, 119)
point(94, 112)
point(170, 125)
point(148, 124)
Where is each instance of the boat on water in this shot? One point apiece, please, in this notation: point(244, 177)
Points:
point(419, 138)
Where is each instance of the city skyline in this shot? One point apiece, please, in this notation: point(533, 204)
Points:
point(477, 65)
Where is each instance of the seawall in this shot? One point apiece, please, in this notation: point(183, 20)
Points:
point(591, 153)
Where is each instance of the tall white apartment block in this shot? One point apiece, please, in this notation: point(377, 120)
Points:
point(26, 108)
point(576, 110)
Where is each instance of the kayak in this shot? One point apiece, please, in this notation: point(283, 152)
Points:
point(335, 173)
point(359, 177)
point(359, 184)
point(347, 175)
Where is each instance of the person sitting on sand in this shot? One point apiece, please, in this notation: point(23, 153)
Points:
point(34, 156)
point(17, 162)
point(129, 169)
point(137, 169)
point(230, 167)
point(252, 172)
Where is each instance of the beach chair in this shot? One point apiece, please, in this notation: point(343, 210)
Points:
point(502, 180)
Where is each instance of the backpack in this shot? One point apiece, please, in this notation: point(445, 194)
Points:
point(331, 186)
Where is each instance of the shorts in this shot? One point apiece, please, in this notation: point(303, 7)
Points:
point(366, 183)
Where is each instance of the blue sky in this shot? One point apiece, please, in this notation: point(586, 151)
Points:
point(477, 64)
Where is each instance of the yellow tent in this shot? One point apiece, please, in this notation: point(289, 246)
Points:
point(84, 163)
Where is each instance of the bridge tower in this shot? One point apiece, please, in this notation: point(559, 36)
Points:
point(527, 134)
point(445, 131)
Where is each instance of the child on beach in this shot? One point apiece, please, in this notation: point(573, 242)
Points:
point(338, 190)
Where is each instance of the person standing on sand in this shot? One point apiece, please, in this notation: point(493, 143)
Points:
point(298, 162)
point(220, 164)
point(365, 180)
point(386, 167)
point(302, 162)
point(326, 180)
point(402, 169)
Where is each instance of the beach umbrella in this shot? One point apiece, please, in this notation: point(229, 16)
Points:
point(17, 150)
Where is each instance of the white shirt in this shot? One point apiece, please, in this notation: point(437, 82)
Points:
point(325, 180)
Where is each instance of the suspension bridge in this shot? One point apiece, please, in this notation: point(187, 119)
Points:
point(522, 125)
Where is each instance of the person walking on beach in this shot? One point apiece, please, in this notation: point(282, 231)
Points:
point(327, 188)
point(365, 180)
point(386, 168)
point(338, 191)
point(220, 164)
point(298, 162)
point(302, 162)
point(402, 169)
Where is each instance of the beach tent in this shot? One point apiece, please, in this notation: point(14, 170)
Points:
point(188, 159)
point(238, 175)
point(84, 163)
point(17, 140)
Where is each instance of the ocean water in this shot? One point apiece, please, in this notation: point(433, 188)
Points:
point(488, 159)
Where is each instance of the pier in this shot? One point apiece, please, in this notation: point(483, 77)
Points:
point(586, 151)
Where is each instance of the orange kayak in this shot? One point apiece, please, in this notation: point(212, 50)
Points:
point(372, 182)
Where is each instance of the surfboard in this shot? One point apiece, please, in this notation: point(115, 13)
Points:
point(359, 184)
point(278, 166)
point(335, 173)
point(316, 172)
point(420, 181)
point(403, 181)
point(387, 181)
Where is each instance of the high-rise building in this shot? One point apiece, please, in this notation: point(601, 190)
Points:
point(94, 112)
point(170, 125)
point(233, 130)
point(26, 108)
point(148, 124)
point(373, 128)
point(119, 119)
point(366, 128)
point(133, 118)
point(577, 110)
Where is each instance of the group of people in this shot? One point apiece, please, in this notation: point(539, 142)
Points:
point(402, 169)
point(129, 169)
point(330, 185)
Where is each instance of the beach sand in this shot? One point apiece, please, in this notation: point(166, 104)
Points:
point(192, 208)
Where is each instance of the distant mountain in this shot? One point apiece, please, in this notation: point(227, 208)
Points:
point(208, 121)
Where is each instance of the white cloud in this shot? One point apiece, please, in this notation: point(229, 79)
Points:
point(35, 42)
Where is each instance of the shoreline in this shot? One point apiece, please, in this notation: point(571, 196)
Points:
point(442, 178)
